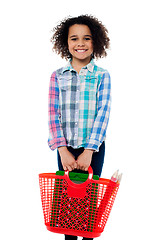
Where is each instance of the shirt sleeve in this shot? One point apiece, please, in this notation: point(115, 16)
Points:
point(56, 137)
point(98, 131)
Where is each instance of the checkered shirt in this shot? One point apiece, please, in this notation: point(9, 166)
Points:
point(79, 107)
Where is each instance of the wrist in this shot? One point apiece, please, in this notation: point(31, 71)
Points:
point(89, 151)
point(62, 149)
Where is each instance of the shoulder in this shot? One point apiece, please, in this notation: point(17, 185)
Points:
point(62, 71)
point(57, 73)
point(101, 72)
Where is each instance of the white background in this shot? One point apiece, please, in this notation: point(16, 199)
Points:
point(132, 144)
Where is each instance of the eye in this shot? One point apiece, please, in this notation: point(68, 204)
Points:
point(87, 38)
point(73, 39)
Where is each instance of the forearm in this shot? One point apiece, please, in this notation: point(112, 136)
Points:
point(62, 149)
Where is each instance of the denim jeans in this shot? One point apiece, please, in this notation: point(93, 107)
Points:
point(96, 164)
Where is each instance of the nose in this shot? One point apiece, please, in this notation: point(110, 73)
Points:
point(80, 43)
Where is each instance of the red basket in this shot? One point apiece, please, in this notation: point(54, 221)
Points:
point(76, 209)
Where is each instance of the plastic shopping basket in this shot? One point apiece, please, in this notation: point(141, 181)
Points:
point(76, 209)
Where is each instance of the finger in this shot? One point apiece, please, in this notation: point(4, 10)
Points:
point(72, 167)
point(81, 168)
point(69, 168)
point(86, 169)
point(75, 165)
point(65, 168)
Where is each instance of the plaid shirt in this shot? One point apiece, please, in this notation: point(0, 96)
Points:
point(79, 106)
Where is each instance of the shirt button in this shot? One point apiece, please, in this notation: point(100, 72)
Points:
point(76, 123)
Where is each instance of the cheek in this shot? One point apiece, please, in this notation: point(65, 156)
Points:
point(70, 46)
point(91, 46)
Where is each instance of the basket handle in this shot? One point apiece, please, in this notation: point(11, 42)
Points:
point(90, 176)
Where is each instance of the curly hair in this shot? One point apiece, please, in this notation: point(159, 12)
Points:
point(99, 33)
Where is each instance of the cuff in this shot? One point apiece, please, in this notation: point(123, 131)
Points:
point(59, 143)
point(94, 145)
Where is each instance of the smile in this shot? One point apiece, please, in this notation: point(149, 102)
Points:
point(80, 50)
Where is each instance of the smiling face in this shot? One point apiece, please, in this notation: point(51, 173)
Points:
point(80, 43)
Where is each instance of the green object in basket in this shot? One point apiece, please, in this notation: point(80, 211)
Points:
point(77, 177)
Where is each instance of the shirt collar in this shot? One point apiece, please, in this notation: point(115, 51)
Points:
point(89, 66)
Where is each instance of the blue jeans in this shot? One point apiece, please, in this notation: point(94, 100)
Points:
point(96, 164)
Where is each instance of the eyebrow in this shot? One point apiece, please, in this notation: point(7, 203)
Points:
point(77, 35)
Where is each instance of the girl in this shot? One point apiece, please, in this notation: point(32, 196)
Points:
point(79, 96)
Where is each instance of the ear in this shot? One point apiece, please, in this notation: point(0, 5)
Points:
point(92, 55)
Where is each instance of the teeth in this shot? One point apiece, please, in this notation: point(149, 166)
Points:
point(80, 51)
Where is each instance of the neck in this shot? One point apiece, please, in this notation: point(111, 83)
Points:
point(78, 64)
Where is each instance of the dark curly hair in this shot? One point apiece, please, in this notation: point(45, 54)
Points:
point(98, 30)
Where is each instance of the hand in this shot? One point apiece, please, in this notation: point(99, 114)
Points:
point(67, 159)
point(84, 160)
